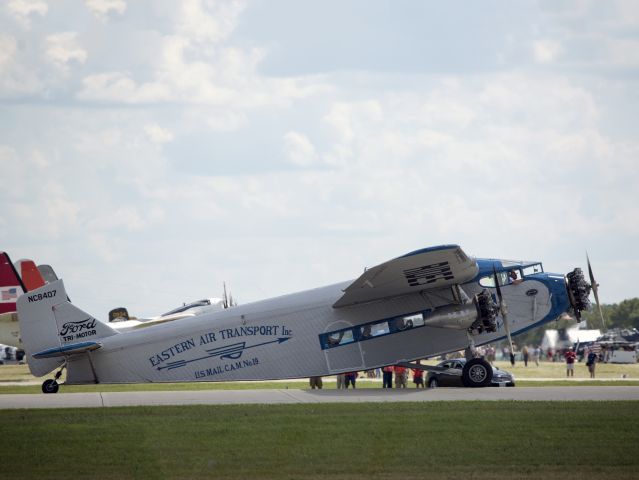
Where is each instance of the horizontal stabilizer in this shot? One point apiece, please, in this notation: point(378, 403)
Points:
point(67, 350)
point(426, 269)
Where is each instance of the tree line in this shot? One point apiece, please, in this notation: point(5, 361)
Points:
point(617, 315)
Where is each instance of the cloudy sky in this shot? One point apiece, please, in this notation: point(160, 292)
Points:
point(150, 150)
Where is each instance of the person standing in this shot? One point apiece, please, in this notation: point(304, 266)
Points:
point(418, 376)
point(350, 378)
point(524, 353)
point(387, 377)
point(340, 381)
point(400, 377)
point(591, 362)
point(316, 382)
point(536, 354)
point(570, 357)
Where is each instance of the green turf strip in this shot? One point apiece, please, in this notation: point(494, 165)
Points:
point(370, 440)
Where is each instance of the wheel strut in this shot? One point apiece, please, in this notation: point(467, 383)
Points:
point(51, 385)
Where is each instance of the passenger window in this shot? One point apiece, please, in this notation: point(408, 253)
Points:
point(416, 320)
point(366, 331)
point(373, 330)
point(340, 338)
point(347, 338)
point(380, 329)
point(410, 321)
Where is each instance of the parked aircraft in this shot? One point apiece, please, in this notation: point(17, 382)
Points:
point(425, 303)
point(120, 320)
point(11, 288)
point(15, 279)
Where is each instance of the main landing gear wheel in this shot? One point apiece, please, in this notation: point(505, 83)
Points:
point(50, 386)
point(477, 373)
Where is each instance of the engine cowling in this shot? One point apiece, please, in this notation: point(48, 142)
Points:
point(477, 316)
point(578, 292)
point(487, 311)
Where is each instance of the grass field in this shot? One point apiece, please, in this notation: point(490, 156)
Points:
point(17, 379)
point(440, 440)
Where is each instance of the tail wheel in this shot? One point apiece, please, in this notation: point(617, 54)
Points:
point(477, 373)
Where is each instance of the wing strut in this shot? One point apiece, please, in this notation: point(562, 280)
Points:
point(504, 313)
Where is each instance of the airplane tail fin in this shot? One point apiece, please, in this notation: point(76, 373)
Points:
point(11, 286)
point(47, 273)
point(31, 276)
point(53, 329)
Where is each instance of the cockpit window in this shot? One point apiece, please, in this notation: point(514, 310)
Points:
point(489, 281)
point(533, 269)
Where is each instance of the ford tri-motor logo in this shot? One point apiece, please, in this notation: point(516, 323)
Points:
point(532, 292)
point(78, 329)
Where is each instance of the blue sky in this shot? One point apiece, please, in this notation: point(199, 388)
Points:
point(153, 149)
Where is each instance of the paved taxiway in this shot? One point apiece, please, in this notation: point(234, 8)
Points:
point(230, 397)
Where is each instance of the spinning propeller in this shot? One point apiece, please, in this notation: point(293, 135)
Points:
point(504, 313)
point(595, 291)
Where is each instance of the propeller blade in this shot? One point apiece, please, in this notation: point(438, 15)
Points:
point(595, 291)
point(504, 314)
point(497, 285)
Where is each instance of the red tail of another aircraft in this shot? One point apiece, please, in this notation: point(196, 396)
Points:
point(11, 286)
point(31, 276)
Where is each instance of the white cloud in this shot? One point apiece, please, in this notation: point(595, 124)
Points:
point(625, 14)
point(120, 88)
point(103, 8)
point(24, 10)
point(622, 53)
point(63, 48)
point(158, 134)
point(299, 150)
point(8, 46)
point(226, 121)
point(546, 51)
point(208, 20)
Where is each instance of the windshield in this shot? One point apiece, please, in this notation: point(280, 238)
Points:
point(532, 269)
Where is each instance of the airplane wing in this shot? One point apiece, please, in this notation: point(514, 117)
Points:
point(426, 269)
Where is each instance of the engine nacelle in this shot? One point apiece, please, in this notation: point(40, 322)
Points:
point(477, 316)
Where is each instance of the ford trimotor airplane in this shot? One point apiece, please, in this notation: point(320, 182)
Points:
point(425, 303)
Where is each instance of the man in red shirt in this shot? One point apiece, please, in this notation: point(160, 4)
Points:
point(570, 357)
point(388, 376)
point(418, 376)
